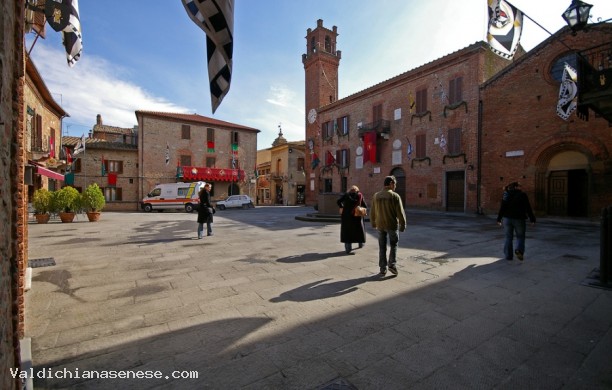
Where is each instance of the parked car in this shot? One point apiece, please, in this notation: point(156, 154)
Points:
point(235, 201)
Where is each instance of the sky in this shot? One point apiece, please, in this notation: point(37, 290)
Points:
point(149, 55)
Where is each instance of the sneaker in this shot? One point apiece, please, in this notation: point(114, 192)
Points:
point(393, 270)
point(383, 272)
point(519, 254)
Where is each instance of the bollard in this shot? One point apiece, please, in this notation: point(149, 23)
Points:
point(605, 258)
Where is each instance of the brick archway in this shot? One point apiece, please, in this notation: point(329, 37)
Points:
point(540, 157)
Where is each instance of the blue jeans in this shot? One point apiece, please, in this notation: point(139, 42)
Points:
point(382, 247)
point(201, 229)
point(512, 226)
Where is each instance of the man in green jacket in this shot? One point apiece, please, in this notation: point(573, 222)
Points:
point(387, 216)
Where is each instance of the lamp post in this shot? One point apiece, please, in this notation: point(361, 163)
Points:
point(577, 15)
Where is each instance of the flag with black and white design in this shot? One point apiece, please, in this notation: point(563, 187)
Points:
point(505, 28)
point(80, 146)
point(167, 153)
point(568, 92)
point(64, 16)
point(216, 18)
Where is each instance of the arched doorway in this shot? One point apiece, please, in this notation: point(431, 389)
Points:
point(400, 186)
point(568, 185)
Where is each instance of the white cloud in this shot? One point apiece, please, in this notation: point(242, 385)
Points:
point(94, 86)
point(281, 95)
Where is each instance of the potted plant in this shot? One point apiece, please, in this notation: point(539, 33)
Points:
point(92, 199)
point(41, 201)
point(66, 201)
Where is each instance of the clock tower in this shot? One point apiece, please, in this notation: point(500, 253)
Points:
point(321, 63)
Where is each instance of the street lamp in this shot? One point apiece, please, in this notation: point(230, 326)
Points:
point(577, 15)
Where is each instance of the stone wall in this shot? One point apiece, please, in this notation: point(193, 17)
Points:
point(13, 226)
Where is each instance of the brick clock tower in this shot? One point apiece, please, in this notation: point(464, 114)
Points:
point(321, 63)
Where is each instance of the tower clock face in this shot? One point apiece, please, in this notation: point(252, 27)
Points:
point(312, 115)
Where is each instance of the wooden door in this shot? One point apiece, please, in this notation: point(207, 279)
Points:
point(455, 191)
point(557, 193)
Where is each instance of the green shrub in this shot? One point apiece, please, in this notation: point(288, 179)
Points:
point(41, 201)
point(92, 198)
point(67, 199)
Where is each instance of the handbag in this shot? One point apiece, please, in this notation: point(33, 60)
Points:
point(360, 211)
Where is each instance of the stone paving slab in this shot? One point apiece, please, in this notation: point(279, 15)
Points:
point(271, 302)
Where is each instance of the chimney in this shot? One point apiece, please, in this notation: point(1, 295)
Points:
point(99, 120)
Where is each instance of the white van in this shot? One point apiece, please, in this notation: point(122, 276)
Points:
point(173, 196)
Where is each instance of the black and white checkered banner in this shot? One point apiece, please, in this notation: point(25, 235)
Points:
point(505, 28)
point(64, 16)
point(216, 18)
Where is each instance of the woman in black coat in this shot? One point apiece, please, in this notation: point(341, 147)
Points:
point(352, 228)
point(205, 212)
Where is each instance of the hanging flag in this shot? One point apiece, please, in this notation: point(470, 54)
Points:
point(315, 161)
point(80, 146)
point(167, 154)
point(369, 140)
point(112, 179)
point(329, 158)
point(411, 102)
point(68, 155)
point(409, 151)
point(505, 28)
point(442, 142)
point(443, 94)
point(256, 172)
point(211, 146)
point(234, 149)
point(51, 147)
point(103, 167)
point(216, 18)
point(568, 93)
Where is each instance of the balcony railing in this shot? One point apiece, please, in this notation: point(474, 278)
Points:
point(381, 126)
point(594, 81)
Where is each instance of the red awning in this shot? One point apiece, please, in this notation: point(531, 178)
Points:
point(212, 174)
point(49, 173)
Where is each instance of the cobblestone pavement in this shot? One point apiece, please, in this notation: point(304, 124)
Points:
point(270, 302)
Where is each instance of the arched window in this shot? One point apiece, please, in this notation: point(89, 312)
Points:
point(556, 70)
point(327, 44)
point(313, 48)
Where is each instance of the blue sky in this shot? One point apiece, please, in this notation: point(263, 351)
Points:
point(148, 55)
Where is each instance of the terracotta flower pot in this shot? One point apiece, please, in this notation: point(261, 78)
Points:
point(42, 218)
point(67, 217)
point(93, 216)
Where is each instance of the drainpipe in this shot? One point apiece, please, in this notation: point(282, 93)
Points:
point(479, 161)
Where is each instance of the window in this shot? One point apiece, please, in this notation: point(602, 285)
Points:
point(300, 164)
point(211, 162)
point(377, 113)
point(77, 165)
point(421, 101)
point(313, 47)
point(327, 129)
point(327, 44)
point(327, 185)
point(454, 141)
point(235, 137)
point(186, 132)
point(112, 194)
point(182, 192)
point(343, 184)
point(455, 87)
point(185, 161)
point(52, 143)
point(113, 166)
point(556, 71)
point(342, 158)
point(343, 125)
point(38, 138)
point(421, 148)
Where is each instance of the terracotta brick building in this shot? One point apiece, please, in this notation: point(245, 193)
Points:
point(564, 165)
point(421, 126)
point(189, 147)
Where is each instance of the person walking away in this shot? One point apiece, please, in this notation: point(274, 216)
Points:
point(205, 212)
point(388, 218)
point(513, 211)
point(352, 227)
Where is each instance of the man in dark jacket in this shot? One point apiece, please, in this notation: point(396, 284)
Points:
point(514, 210)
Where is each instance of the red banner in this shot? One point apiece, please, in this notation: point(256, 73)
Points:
point(369, 140)
point(212, 174)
